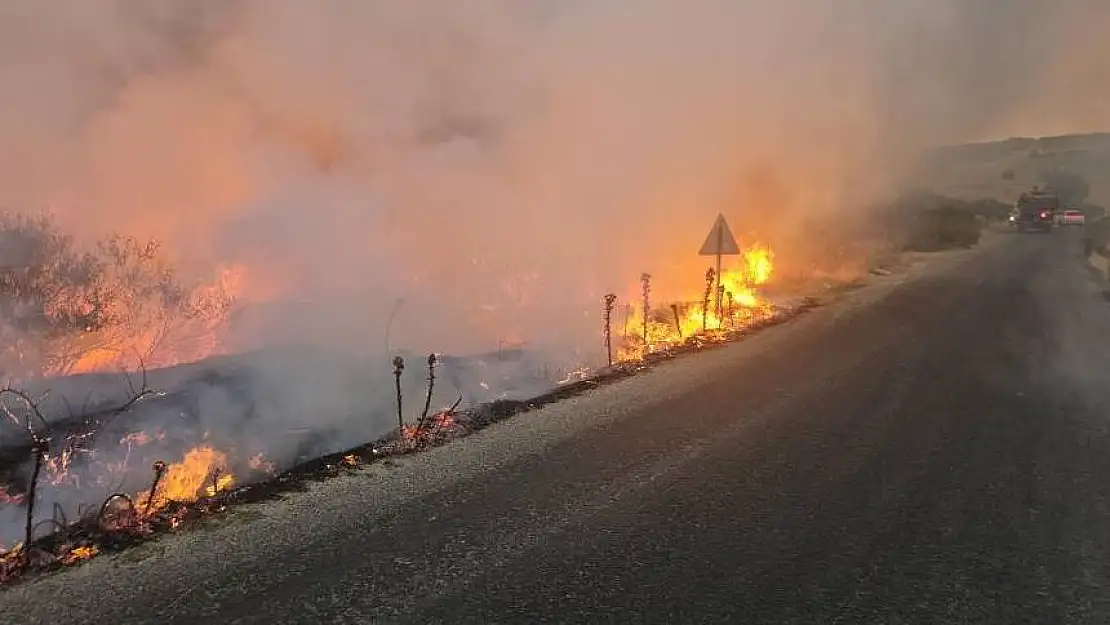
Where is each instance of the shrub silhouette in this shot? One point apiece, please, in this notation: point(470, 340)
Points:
point(67, 308)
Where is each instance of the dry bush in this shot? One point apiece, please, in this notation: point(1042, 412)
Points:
point(66, 309)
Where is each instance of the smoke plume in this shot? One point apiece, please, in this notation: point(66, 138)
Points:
point(502, 164)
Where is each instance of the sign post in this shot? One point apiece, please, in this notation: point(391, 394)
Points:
point(720, 242)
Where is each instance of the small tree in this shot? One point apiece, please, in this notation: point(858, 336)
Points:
point(64, 309)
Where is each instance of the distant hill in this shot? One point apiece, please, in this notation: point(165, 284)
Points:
point(1003, 169)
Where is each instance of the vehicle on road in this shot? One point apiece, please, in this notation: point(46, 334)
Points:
point(1072, 217)
point(1036, 211)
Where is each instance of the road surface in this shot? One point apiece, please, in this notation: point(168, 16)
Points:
point(934, 449)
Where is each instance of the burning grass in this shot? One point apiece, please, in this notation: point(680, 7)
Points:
point(714, 316)
point(206, 479)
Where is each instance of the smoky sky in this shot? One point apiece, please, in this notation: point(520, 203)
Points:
point(499, 165)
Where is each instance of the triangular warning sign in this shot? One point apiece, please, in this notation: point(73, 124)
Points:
point(720, 241)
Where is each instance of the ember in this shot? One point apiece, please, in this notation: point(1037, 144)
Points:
point(6, 498)
point(77, 554)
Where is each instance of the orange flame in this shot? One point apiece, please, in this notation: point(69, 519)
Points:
point(158, 338)
point(741, 307)
point(201, 473)
point(79, 554)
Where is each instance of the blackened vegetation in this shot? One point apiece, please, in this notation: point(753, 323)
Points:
point(121, 522)
point(41, 437)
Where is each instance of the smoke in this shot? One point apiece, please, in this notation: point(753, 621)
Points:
point(483, 172)
point(506, 162)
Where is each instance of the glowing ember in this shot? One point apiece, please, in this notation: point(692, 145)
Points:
point(138, 439)
point(79, 554)
point(9, 560)
point(437, 425)
point(442, 421)
point(10, 499)
point(56, 469)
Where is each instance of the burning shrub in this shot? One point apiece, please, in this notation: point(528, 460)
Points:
point(64, 309)
point(696, 321)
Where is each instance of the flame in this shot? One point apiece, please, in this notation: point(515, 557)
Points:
point(78, 554)
point(157, 338)
point(670, 325)
point(439, 423)
point(200, 473)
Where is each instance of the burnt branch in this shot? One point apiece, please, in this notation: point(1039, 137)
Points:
point(59, 527)
point(29, 528)
point(159, 469)
point(108, 506)
point(60, 515)
point(431, 389)
point(398, 369)
point(137, 393)
point(33, 411)
point(610, 300)
point(710, 276)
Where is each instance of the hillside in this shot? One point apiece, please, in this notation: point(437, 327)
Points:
point(1003, 169)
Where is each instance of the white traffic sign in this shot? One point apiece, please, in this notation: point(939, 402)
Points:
point(720, 241)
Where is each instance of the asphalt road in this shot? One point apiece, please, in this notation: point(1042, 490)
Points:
point(934, 450)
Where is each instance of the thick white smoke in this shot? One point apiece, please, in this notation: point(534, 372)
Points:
point(516, 159)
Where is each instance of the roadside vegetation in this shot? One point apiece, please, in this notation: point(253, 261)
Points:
point(68, 308)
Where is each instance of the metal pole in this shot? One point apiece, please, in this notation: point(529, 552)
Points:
point(718, 280)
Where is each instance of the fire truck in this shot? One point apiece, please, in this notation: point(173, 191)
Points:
point(1035, 210)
